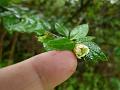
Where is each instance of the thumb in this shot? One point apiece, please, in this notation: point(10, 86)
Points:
point(42, 72)
point(54, 67)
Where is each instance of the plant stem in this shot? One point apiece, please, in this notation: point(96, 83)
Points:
point(1, 44)
point(81, 8)
point(11, 54)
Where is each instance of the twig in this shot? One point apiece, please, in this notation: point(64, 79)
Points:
point(11, 54)
point(1, 44)
point(80, 9)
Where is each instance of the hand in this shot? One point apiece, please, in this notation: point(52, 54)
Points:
point(41, 72)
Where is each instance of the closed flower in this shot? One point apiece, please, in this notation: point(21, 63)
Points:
point(81, 50)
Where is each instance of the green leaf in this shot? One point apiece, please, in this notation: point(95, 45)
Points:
point(46, 37)
point(59, 44)
point(4, 2)
point(21, 19)
point(26, 24)
point(16, 1)
point(8, 2)
point(8, 21)
point(79, 31)
point(62, 30)
point(95, 52)
point(85, 39)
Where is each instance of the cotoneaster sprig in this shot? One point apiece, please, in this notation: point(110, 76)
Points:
point(17, 19)
point(75, 40)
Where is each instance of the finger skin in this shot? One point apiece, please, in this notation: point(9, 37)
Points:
point(41, 72)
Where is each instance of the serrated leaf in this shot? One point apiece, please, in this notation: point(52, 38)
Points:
point(62, 30)
point(95, 52)
point(59, 44)
point(85, 39)
point(79, 31)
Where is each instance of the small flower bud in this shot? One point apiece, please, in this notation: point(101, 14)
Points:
point(81, 50)
point(42, 38)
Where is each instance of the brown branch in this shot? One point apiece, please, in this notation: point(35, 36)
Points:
point(1, 44)
point(80, 9)
point(11, 54)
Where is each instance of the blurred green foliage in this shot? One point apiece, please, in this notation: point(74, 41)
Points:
point(103, 18)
